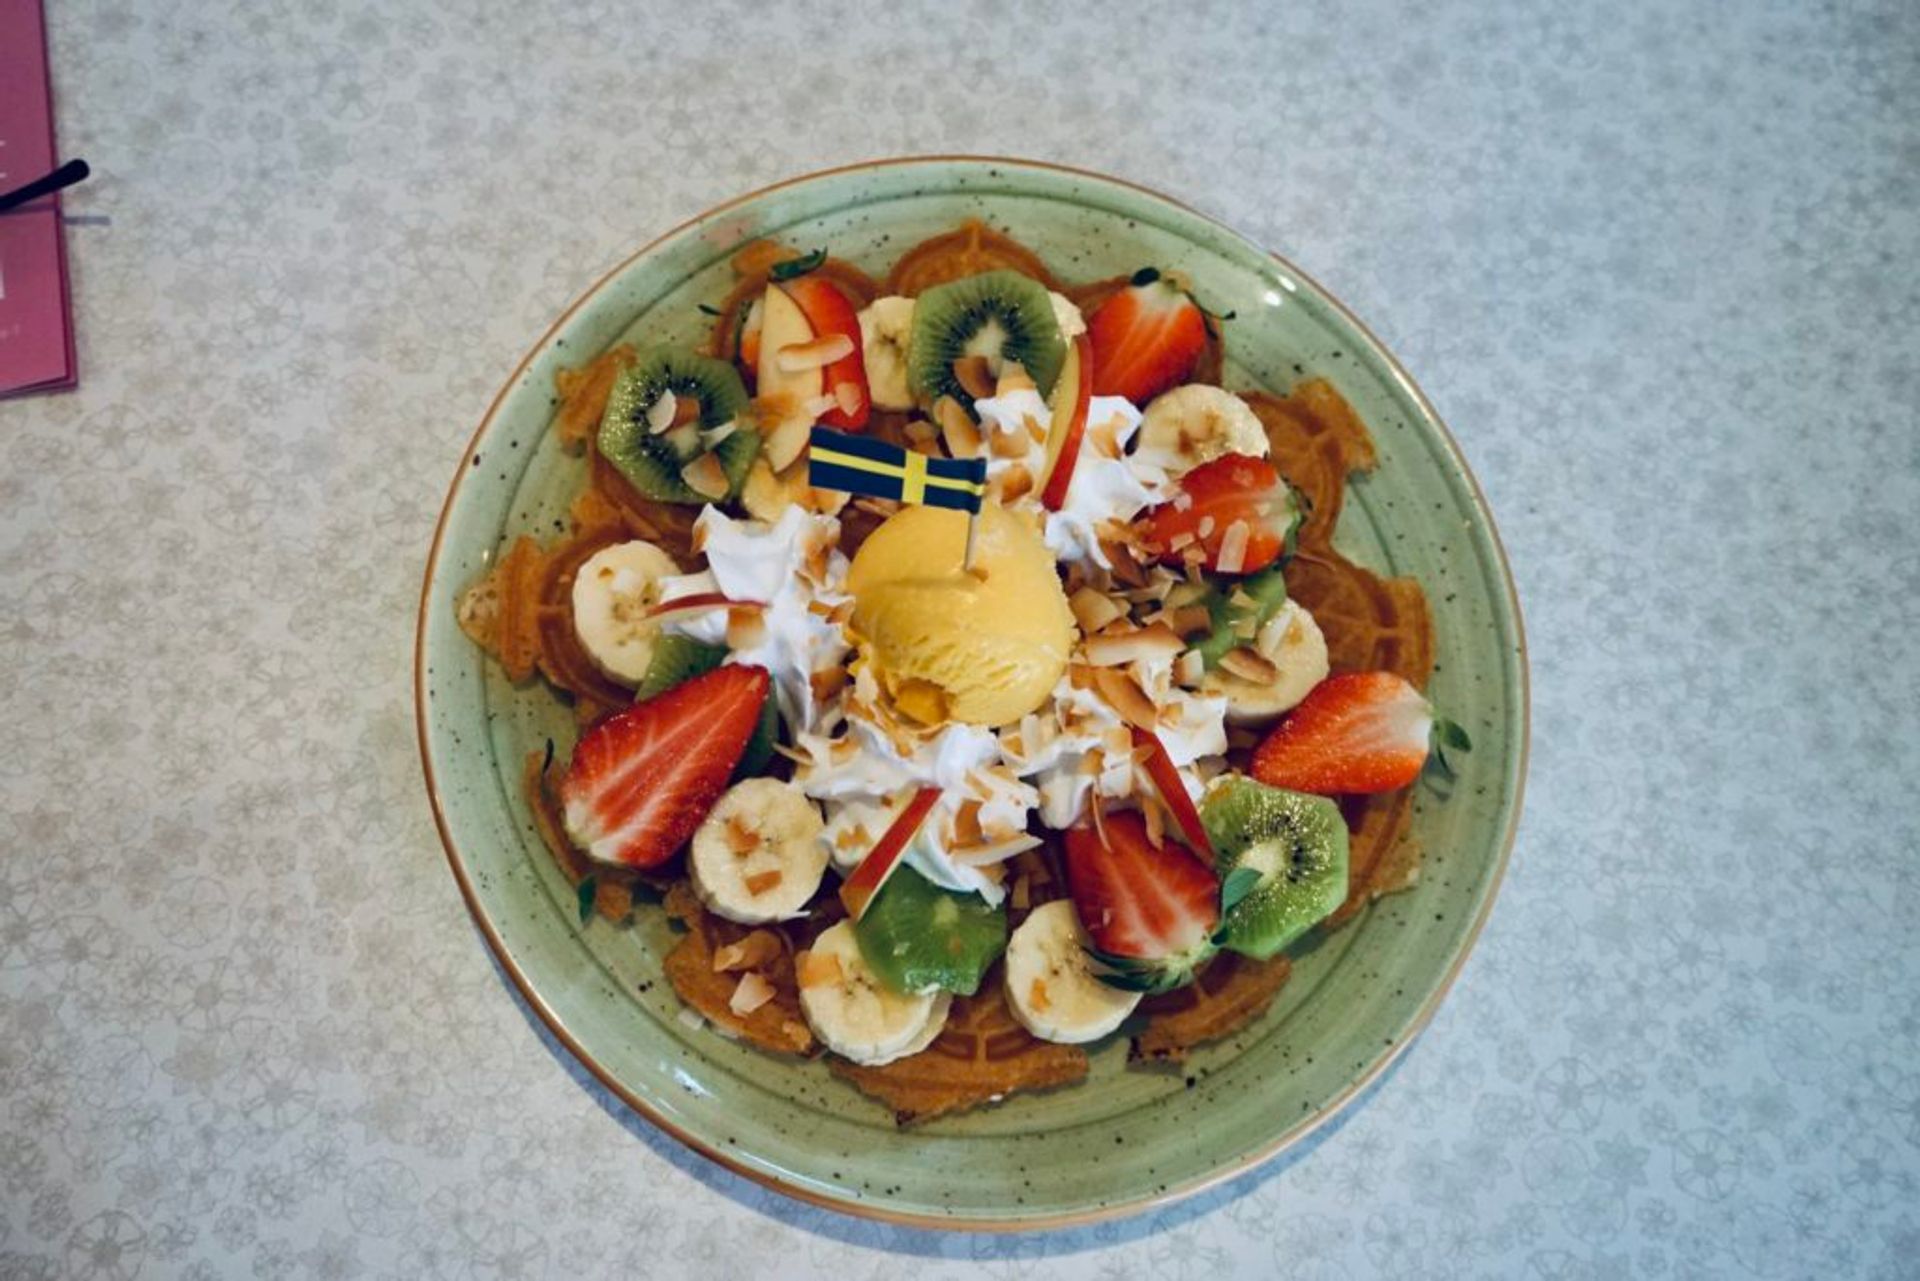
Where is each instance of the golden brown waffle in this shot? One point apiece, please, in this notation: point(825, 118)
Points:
point(1228, 994)
point(583, 394)
point(968, 250)
point(778, 1025)
point(1371, 623)
point(981, 1055)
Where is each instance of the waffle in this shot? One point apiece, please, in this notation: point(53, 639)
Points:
point(969, 250)
point(1227, 995)
point(980, 1056)
point(1371, 623)
point(778, 1025)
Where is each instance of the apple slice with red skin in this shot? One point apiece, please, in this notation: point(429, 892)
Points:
point(858, 890)
point(829, 312)
point(1173, 792)
point(1072, 393)
point(698, 603)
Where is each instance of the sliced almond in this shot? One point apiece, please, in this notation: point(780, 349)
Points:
point(1125, 568)
point(1126, 697)
point(706, 477)
point(974, 374)
point(712, 436)
point(798, 358)
point(1190, 619)
point(959, 432)
point(749, 953)
point(786, 441)
point(661, 413)
point(1250, 665)
point(686, 409)
point(847, 396)
point(921, 435)
point(1016, 482)
point(1021, 895)
point(966, 824)
point(817, 969)
point(1115, 649)
point(740, 836)
point(746, 627)
point(1233, 548)
point(827, 682)
point(985, 855)
point(760, 882)
point(1094, 609)
point(750, 994)
point(1013, 377)
point(1190, 669)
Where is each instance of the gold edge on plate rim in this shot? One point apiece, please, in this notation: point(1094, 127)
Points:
point(854, 1206)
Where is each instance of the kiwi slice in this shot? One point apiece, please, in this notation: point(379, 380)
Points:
point(1265, 593)
point(677, 659)
point(1282, 858)
point(919, 937)
point(1001, 315)
point(653, 461)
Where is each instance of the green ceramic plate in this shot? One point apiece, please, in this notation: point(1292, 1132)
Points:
point(1127, 1137)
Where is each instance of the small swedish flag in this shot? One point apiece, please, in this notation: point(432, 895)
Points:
point(861, 465)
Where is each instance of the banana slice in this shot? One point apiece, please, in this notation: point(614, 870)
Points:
point(1287, 659)
point(886, 325)
point(758, 856)
point(1050, 982)
point(612, 593)
point(853, 1014)
point(1197, 423)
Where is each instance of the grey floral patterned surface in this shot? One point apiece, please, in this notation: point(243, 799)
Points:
point(1655, 264)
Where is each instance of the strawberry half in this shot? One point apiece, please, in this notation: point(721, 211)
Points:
point(1356, 732)
point(829, 312)
point(1145, 338)
point(1232, 514)
point(643, 779)
point(1151, 912)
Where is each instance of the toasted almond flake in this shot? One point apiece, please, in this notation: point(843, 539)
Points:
point(1206, 527)
point(1156, 818)
point(787, 440)
point(817, 969)
point(1021, 895)
point(846, 395)
point(661, 414)
point(1240, 600)
point(1182, 501)
point(750, 994)
point(686, 411)
point(799, 357)
point(1190, 619)
point(1246, 627)
point(975, 375)
point(706, 477)
point(714, 435)
point(1191, 668)
point(1037, 994)
point(979, 856)
point(961, 433)
point(1181, 541)
point(1111, 649)
point(1009, 444)
point(1093, 609)
point(966, 824)
point(1013, 377)
point(1126, 697)
point(688, 1017)
point(853, 838)
point(1250, 665)
point(746, 627)
point(827, 682)
point(1125, 568)
point(750, 952)
point(741, 837)
point(760, 882)
point(1233, 548)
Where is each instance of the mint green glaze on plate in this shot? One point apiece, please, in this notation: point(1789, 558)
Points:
point(1126, 1137)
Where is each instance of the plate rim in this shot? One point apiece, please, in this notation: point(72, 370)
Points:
point(1124, 1207)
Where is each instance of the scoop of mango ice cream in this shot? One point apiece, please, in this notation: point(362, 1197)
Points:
point(984, 646)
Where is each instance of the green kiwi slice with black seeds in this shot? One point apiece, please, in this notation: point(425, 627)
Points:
point(652, 461)
point(1001, 315)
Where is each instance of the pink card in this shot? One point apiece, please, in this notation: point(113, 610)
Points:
point(36, 321)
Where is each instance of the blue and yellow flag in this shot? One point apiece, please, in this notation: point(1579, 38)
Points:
point(861, 465)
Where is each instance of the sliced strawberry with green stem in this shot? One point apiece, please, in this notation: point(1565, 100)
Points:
point(1145, 338)
point(1234, 514)
point(1357, 733)
point(643, 779)
point(1151, 911)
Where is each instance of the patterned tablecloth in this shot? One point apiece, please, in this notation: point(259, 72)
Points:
point(1657, 267)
